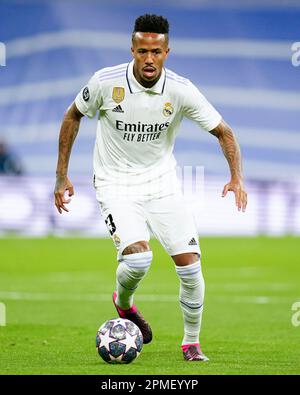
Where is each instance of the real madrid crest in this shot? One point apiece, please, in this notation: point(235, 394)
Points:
point(168, 110)
point(118, 94)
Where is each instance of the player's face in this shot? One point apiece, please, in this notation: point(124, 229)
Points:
point(149, 51)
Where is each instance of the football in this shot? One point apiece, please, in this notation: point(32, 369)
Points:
point(119, 341)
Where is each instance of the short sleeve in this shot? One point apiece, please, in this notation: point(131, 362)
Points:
point(89, 99)
point(199, 109)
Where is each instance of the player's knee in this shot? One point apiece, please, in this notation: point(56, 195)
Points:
point(136, 248)
point(138, 262)
point(186, 259)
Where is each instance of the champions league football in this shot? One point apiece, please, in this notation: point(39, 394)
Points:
point(119, 341)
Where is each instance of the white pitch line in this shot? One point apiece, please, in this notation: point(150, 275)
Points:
point(40, 296)
point(242, 287)
point(37, 296)
point(2, 314)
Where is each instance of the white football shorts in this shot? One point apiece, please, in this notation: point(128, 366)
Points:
point(168, 219)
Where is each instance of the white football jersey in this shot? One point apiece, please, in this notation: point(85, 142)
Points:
point(137, 126)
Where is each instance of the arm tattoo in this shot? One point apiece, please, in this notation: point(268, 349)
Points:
point(68, 133)
point(230, 148)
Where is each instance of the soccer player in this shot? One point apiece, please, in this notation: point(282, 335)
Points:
point(140, 106)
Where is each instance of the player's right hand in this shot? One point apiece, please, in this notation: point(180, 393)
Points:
point(62, 185)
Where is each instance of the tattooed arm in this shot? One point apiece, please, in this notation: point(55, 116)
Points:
point(232, 153)
point(68, 133)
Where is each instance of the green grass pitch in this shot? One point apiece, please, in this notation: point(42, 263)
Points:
point(57, 292)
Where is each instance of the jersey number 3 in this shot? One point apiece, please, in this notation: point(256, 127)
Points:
point(110, 224)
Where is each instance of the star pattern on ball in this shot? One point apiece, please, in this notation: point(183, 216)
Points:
point(129, 342)
point(106, 339)
point(116, 345)
point(119, 358)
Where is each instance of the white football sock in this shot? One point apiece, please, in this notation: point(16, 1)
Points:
point(131, 269)
point(191, 297)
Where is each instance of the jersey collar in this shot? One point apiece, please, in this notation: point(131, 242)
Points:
point(135, 86)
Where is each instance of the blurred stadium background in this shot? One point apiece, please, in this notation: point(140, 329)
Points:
point(57, 290)
point(238, 53)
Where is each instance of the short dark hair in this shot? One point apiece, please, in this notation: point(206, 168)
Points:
point(151, 23)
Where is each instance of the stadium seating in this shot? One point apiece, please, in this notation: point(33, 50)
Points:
point(239, 57)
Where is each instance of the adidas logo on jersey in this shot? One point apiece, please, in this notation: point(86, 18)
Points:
point(192, 242)
point(118, 109)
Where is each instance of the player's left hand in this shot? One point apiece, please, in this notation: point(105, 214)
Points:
point(237, 187)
